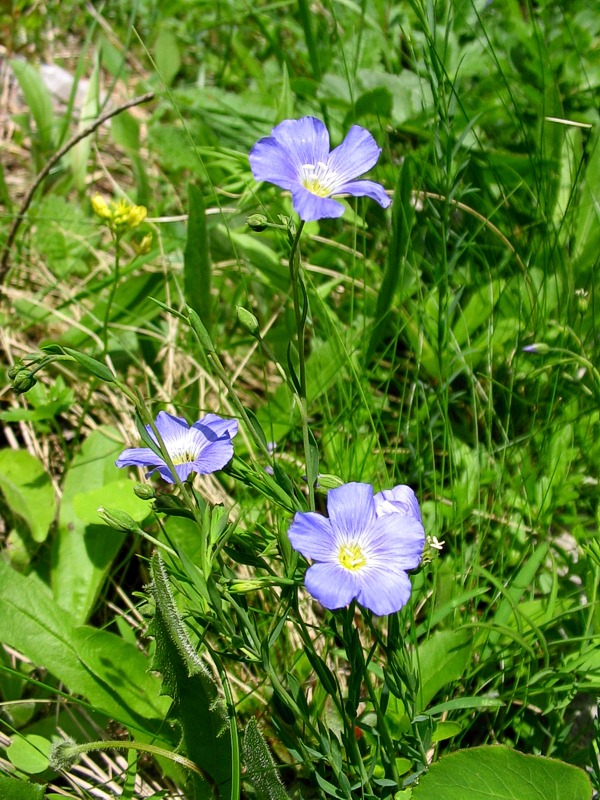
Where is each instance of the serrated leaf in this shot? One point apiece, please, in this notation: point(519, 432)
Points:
point(500, 773)
point(261, 772)
point(28, 490)
point(196, 702)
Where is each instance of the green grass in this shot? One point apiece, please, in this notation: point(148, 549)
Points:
point(488, 123)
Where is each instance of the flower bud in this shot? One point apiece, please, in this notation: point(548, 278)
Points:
point(118, 520)
point(248, 321)
point(539, 348)
point(142, 247)
point(583, 300)
point(23, 381)
point(63, 755)
point(144, 491)
point(100, 206)
point(13, 371)
point(328, 481)
point(257, 222)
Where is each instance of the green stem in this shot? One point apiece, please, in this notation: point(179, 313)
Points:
point(111, 296)
point(300, 313)
point(71, 751)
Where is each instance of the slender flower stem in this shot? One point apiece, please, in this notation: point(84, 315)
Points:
point(68, 751)
point(300, 313)
point(111, 296)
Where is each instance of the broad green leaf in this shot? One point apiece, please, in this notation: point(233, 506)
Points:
point(38, 100)
point(498, 773)
point(83, 552)
point(28, 490)
point(109, 673)
point(80, 153)
point(441, 660)
point(116, 494)
point(29, 753)
point(166, 55)
point(13, 789)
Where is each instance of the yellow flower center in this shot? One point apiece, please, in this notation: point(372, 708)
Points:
point(317, 179)
point(182, 456)
point(351, 557)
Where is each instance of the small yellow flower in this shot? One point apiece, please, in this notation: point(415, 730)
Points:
point(100, 206)
point(119, 214)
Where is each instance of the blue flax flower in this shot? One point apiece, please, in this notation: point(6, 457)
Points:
point(364, 549)
point(296, 157)
point(204, 447)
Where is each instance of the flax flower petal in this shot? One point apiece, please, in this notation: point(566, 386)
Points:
point(384, 590)
point(139, 457)
point(310, 207)
point(351, 509)
point(357, 154)
point(332, 585)
point(312, 535)
point(273, 163)
point(366, 189)
point(305, 139)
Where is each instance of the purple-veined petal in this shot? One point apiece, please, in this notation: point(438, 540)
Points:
point(310, 207)
point(213, 456)
point(351, 510)
point(366, 189)
point(138, 457)
point(332, 585)
point(357, 154)
point(396, 539)
point(383, 590)
point(399, 499)
point(217, 425)
point(305, 139)
point(271, 162)
point(169, 427)
point(311, 534)
point(164, 472)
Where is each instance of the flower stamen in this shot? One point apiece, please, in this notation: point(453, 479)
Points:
point(351, 557)
point(317, 179)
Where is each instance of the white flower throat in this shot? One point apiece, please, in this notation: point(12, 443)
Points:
point(318, 178)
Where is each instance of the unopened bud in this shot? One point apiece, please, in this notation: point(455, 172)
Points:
point(583, 300)
point(539, 348)
point(143, 247)
point(248, 320)
point(23, 381)
point(329, 481)
point(118, 520)
point(13, 371)
point(63, 755)
point(144, 491)
point(257, 222)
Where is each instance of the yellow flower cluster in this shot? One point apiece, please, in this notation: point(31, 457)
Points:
point(118, 215)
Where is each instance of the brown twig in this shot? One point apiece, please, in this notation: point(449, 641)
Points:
point(4, 261)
